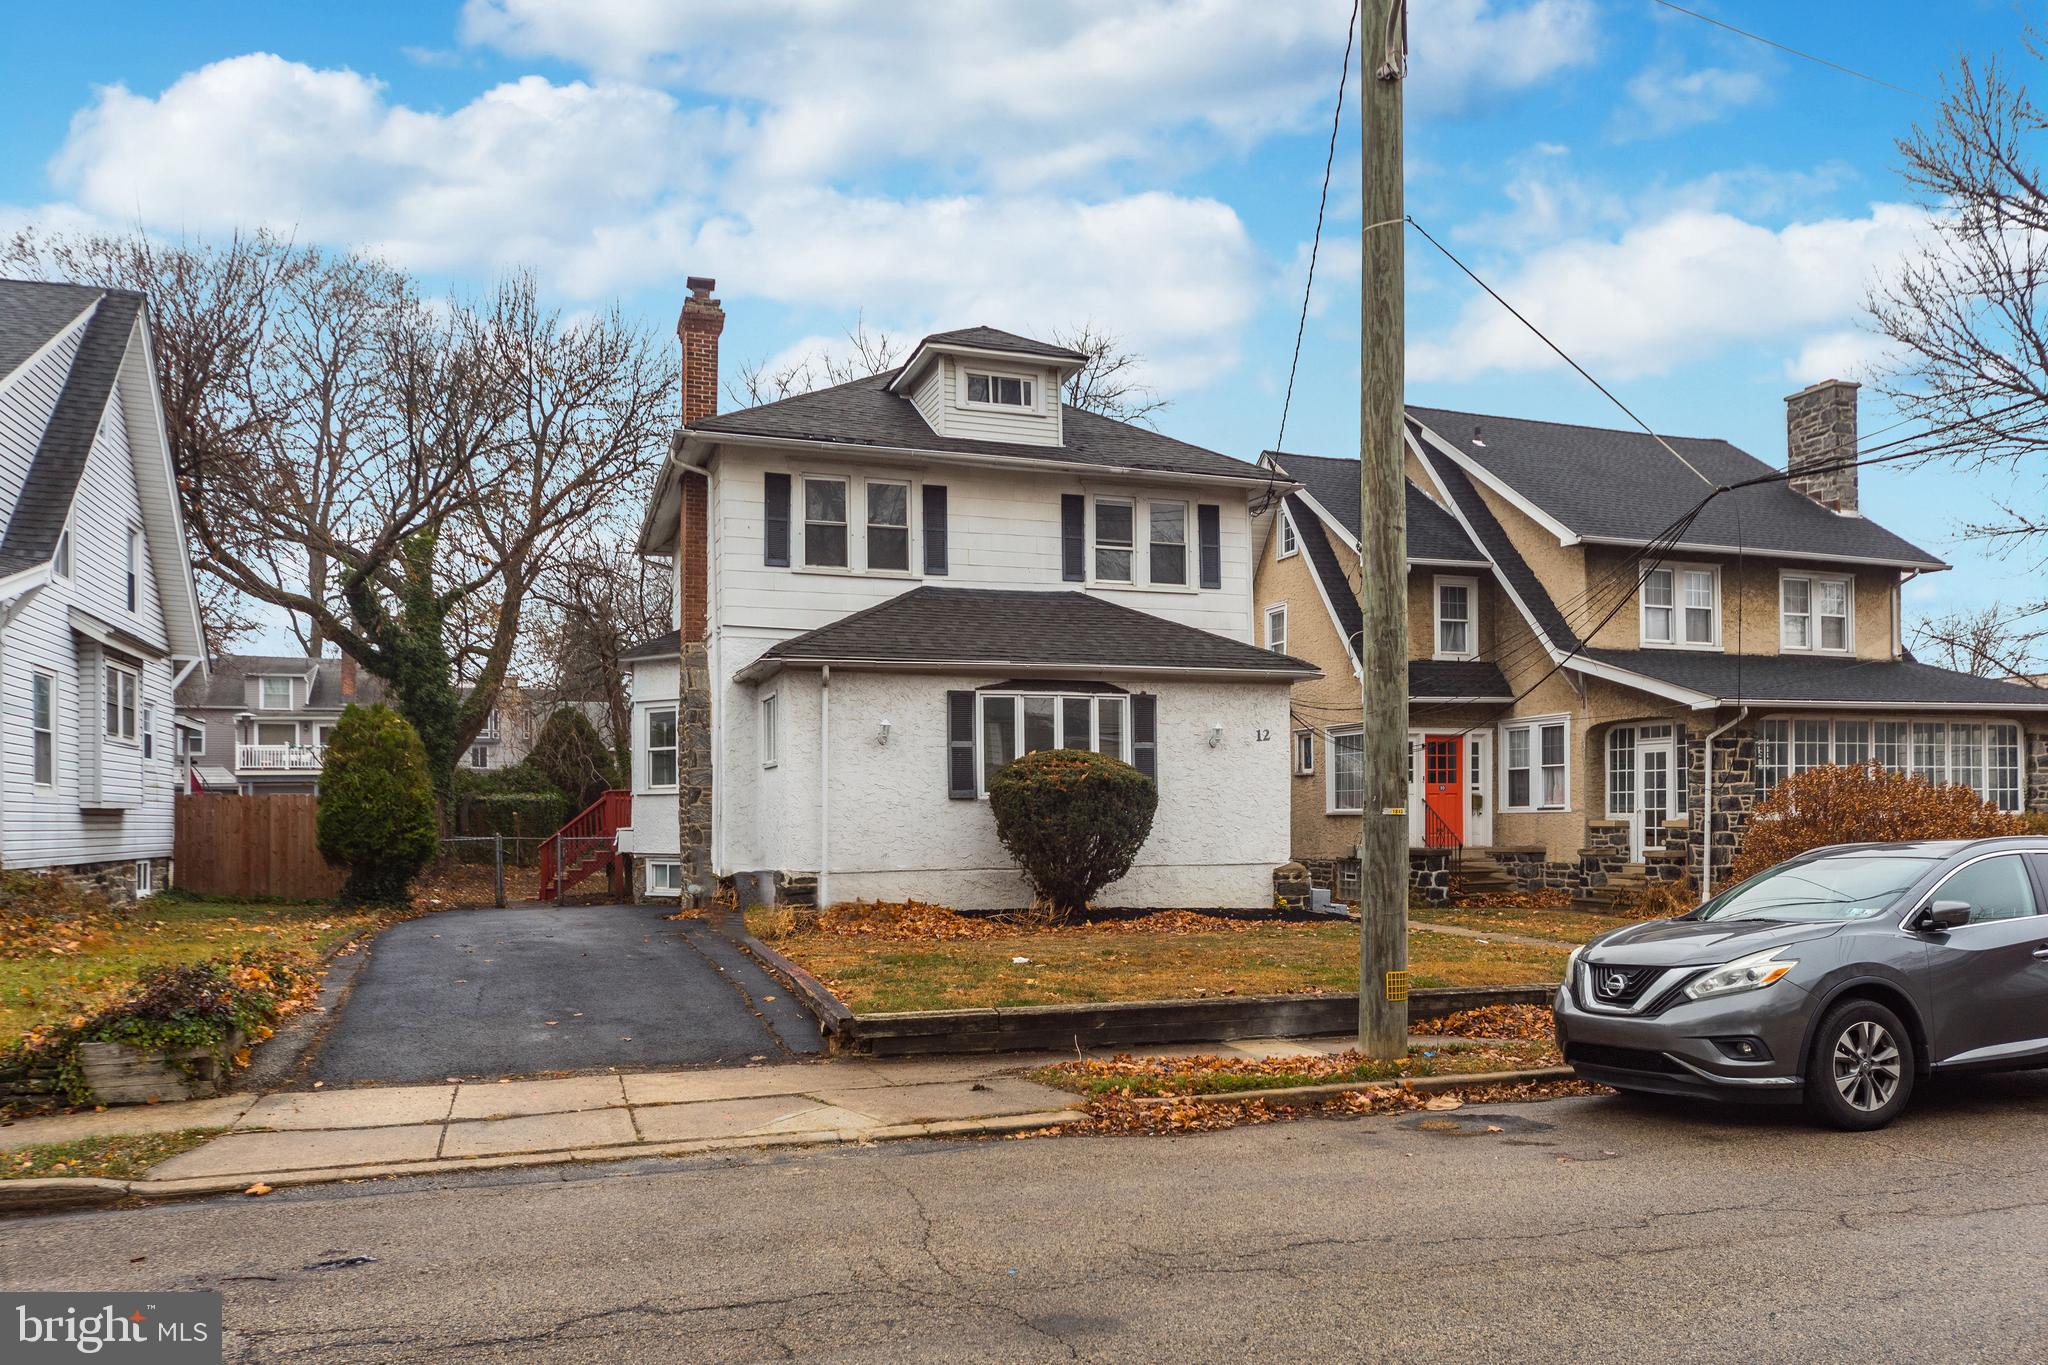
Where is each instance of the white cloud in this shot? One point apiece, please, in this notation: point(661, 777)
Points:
point(1848, 353)
point(1022, 95)
point(1666, 98)
point(1672, 290)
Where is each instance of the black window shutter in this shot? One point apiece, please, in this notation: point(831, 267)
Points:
point(1145, 734)
point(1073, 537)
point(935, 528)
point(960, 746)
point(775, 529)
point(1209, 529)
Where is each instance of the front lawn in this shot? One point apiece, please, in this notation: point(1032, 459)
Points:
point(56, 971)
point(931, 967)
point(1566, 926)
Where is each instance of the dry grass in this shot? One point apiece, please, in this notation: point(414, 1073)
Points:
point(1565, 926)
point(1009, 966)
point(113, 1158)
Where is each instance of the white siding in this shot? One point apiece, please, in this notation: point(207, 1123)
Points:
point(1037, 425)
point(654, 830)
point(26, 402)
point(1221, 828)
point(929, 397)
point(44, 826)
point(1004, 532)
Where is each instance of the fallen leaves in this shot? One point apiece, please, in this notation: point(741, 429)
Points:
point(1530, 1023)
point(258, 1189)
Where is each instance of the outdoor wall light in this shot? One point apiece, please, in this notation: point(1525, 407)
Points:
point(882, 733)
point(1215, 735)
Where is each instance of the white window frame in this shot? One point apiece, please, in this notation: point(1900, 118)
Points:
point(1778, 734)
point(1333, 740)
point(800, 522)
point(46, 729)
point(61, 566)
point(771, 730)
point(867, 523)
point(1032, 393)
point(1286, 543)
point(1812, 614)
point(263, 690)
point(1677, 571)
point(1276, 640)
point(1304, 752)
point(650, 748)
point(1534, 726)
point(480, 756)
point(856, 486)
point(127, 704)
point(1061, 739)
point(132, 571)
point(195, 740)
point(1471, 587)
point(1095, 542)
point(1188, 547)
point(145, 878)
point(664, 877)
point(147, 731)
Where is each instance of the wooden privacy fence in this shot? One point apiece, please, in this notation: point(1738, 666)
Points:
point(240, 846)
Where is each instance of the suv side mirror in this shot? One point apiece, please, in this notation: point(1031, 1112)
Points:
point(1943, 915)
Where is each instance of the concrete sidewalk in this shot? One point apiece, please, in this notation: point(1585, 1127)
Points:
point(303, 1137)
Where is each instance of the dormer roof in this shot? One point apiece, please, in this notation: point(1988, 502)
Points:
point(970, 341)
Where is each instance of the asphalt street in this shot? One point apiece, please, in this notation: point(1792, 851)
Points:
point(531, 990)
point(1589, 1230)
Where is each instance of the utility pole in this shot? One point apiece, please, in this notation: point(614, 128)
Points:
point(1383, 548)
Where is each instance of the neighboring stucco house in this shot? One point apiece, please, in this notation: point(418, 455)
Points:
point(259, 723)
point(1576, 644)
point(99, 618)
point(889, 589)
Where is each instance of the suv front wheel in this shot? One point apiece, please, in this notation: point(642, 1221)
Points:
point(1861, 1072)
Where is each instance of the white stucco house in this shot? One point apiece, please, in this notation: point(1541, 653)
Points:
point(99, 618)
point(888, 589)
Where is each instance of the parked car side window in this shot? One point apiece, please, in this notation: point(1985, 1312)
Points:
point(1994, 889)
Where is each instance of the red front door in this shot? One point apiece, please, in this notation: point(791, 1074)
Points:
point(1443, 790)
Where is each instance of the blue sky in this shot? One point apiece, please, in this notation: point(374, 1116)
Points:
point(1696, 217)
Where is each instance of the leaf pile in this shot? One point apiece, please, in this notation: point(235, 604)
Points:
point(1531, 1023)
point(45, 916)
point(920, 922)
point(1207, 1074)
point(1117, 1115)
point(1549, 898)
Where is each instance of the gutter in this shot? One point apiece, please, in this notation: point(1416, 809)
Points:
point(824, 786)
point(1707, 800)
point(767, 667)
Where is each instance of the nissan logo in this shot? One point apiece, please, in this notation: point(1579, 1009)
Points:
point(1613, 984)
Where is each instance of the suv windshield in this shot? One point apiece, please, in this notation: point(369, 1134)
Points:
point(1844, 888)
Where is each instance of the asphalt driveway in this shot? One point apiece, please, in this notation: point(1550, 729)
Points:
point(519, 992)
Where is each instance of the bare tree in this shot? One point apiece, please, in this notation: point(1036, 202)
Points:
point(1967, 314)
point(394, 472)
point(867, 353)
point(1108, 382)
point(1989, 642)
point(598, 601)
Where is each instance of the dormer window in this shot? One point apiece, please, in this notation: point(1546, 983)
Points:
point(1000, 390)
point(276, 694)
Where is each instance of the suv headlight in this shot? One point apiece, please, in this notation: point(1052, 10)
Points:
point(1743, 974)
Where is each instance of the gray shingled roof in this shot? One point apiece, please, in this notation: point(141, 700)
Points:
point(667, 645)
point(32, 312)
point(1440, 680)
point(1760, 679)
point(1329, 567)
point(996, 339)
point(225, 688)
point(999, 628)
point(1624, 486)
point(865, 413)
point(1433, 534)
point(1508, 563)
point(46, 495)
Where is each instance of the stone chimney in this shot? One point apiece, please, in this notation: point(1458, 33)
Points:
point(1820, 441)
point(348, 679)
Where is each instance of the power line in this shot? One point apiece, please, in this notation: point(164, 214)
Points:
point(1804, 56)
point(1316, 242)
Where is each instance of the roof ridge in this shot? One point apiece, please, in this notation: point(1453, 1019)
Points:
point(1578, 426)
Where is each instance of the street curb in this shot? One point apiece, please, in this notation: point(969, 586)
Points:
point(55, 1195)
point(1427, 1083)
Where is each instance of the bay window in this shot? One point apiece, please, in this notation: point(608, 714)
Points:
point(122, 685)
point(1017, 723)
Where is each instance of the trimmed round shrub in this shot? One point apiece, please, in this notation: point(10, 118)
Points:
point(569, 752)
point(1073, 820)
point(376, 805)
point(1857, 804)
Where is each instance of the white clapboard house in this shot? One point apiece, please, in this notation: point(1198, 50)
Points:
point(99, 619)
point(889, 589)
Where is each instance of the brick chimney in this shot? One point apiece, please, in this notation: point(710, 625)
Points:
point(348, 679)
point(1820, 434)
point(698, 327)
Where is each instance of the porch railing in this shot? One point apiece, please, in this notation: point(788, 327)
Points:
point(281, 758)
point(1438, 834)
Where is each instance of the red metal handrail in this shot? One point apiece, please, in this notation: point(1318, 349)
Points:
point(565, 858)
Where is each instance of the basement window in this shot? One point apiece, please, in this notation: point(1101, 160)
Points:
point(665, 879)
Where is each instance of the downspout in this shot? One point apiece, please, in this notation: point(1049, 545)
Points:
point(1707, 800)
point(824, 783)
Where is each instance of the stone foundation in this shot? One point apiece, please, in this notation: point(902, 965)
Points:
point(2037, 771)
point(693, 758)
point(1429, 874)
point(1291, 887)
point(796, 888)
point(1338, 876)
point(115, 881)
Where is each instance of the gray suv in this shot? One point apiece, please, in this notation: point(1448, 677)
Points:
point(1836, 979)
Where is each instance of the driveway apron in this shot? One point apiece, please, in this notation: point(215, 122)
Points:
point(520, 992)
